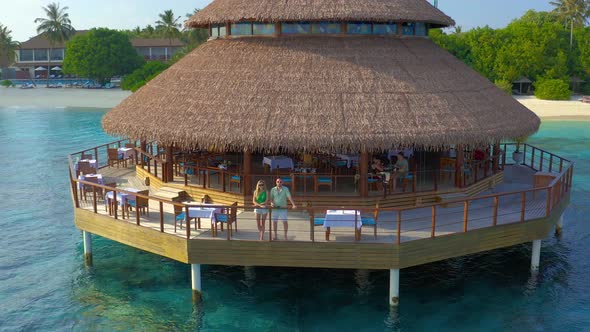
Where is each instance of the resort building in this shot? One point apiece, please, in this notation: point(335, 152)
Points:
point(34, 53)
point(390, 159)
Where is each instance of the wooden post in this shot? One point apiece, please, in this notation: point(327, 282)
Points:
point(496, 160)
point(551, 162)
point(541, 161)
point(465, 215)
point(496, 201)
point(522, 205)
point(87, 238)
point(433, 221)
point(143, 147)
point(399, 226)
point(169, 177)
point(162, 217)
point(459, 167)
point(247, 167)
point(188, 224)
point(364, 173)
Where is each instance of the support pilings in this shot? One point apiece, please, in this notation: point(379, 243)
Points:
point(559, 225)
point(196, 282)
point(536, 256)
point(87, 237)
point(394, 287)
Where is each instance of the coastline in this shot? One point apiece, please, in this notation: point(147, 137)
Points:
point(572, 110)
point(62, 97)
point(567, 110)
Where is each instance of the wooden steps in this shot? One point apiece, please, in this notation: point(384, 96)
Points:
point(172, 194)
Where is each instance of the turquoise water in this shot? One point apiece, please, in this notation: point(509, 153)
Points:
point(44, 285)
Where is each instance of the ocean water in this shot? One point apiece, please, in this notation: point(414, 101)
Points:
point(44, 285)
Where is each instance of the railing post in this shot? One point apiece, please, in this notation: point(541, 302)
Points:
point(522, 205)
point(94, 200)
point(270, 224)
point(188, 224)
point(465, 215)
point(551, 162)
point(504, 157)
point(311, 225)
point(532, 158)
point(399, 226)
point(75, 192)
point(560, 165)
point(136, 212)
point(96, 158)
point(185, 178)
point(548, 212)
point(524, 156)
point(116, 204)
point(433, 231)
point(161, 217)
point(222, 180)
point(541, 161)
point(496, 202)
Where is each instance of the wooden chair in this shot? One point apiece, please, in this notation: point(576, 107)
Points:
point(87, 188)
point(85, 168)
point(114, 158)
point(374, 181)
point(140, 204)
point(235, 179)
point(87, 157)
point(180, 217)
point(324, 180)
point(229, 217)
point(371, 220)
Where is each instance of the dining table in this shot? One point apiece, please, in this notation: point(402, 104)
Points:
point(343, 218)
point(350, 159)
point(198, 210)
point(122, 199)
point(126, 153)
point(277, 162)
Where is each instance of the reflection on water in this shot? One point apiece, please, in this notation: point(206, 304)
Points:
point(44, 284)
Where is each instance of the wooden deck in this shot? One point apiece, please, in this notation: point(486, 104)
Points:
point(414, 243)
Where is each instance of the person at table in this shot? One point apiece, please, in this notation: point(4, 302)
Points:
point(400, 168)
point(278, 200)
point(260, 201)
point(378, 168)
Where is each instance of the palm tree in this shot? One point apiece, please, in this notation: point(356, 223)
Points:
point(57, 28)
point(8, 46)
point(576, 12)
point(169, 25)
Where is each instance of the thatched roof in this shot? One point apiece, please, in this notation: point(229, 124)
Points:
point(222, 11)
point(320, 94)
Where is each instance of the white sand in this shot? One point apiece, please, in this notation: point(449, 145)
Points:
point(70, 97)
point(101, 98)
point(564, 110)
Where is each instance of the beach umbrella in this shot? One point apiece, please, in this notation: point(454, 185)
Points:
point(56, 68)
point(40, 68)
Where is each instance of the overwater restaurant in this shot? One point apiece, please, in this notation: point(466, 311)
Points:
point(350, 105)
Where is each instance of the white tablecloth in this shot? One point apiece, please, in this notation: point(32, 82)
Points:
point(122, 198)
point(83, 178)
point(203, 212)
point(278, 162)
point(126, 152)
point(92, 163)
point(343, 218)
point(349, 159)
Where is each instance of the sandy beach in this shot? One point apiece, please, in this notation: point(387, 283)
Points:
point(557, 110)
point(43, 97)
point(97, 98)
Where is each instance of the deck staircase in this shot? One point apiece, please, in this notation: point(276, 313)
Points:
point(171, 194)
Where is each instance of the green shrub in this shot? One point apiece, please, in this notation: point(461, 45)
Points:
point(504, 85)
point(141, 76)
point(6, 83)
point(552, 89)
point(585, 89)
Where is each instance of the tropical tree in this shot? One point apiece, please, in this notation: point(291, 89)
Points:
point(8, 46)
point(169, 25)
point(576, 12)
point(57, 28)
point(101, 54)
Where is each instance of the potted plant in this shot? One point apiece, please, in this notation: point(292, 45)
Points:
point(517, 155)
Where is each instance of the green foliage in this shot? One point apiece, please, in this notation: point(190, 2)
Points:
point(6, 83)
point(534, 46)
point(504, 85)
point(7, 45)
point(101, 54)
point(141, 76)
point(585, 89)
point(552, 89)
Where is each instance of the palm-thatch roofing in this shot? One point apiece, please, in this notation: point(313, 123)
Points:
point(223, 11)
point(320, 94)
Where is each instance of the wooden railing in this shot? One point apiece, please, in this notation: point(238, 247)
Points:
point(397, 224)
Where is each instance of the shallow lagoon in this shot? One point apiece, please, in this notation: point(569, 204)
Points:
point(45, 286)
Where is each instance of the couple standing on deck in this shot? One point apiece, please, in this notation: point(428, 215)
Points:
point(278, 201)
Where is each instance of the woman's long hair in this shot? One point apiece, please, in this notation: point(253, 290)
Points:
point(257, 191)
